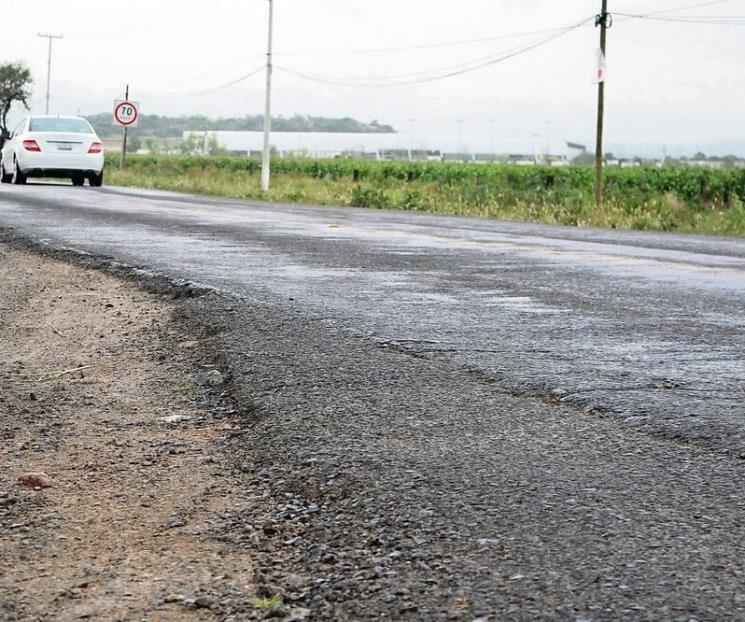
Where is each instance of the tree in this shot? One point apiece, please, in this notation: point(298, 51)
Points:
point(730, 161)
point(15, 86)
point(584, 158)
point(133, 144)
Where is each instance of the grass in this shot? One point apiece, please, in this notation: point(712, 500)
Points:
point(683, 200)
point(266, 603)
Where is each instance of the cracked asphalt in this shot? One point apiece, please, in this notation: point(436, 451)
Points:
point(452, 418)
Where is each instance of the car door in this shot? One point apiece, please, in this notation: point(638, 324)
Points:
point(10, 146)
point(7, 150)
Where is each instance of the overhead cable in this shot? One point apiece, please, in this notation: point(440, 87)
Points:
point(423, 46)
point(450, 72)
point(208, 91)
point(686, 7)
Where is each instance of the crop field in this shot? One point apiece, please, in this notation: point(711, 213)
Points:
point(662, 199)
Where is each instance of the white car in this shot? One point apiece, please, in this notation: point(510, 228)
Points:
point(46, 146)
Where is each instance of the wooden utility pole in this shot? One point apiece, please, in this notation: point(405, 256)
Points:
point(604, 21)
point(124, 138)
point(50, 37)
point(266, 154)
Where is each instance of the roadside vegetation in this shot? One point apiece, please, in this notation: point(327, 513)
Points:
point(662, 199)
point(15, 88)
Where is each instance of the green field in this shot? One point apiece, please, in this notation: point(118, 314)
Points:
point(662, 199)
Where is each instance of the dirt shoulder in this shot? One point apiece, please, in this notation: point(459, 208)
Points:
point(98, 391)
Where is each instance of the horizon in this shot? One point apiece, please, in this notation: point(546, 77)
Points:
point(670, 84)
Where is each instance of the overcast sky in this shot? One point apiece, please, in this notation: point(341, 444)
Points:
point(669, 84)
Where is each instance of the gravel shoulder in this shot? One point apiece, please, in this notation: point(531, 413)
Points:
point(127, 529)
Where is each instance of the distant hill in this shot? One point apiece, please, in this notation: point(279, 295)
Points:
point(171, 127)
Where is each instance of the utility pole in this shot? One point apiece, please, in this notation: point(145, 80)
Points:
point(46, 35)
point(266, 155)
point(124, 137)
point(603, 20)
point(411, 139)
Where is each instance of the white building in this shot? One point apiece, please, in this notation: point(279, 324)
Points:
point(313, 144)
point(381, 146)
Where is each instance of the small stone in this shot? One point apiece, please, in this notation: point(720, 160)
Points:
point(215, 378)
point(298, 614)
point(174, 419)
point(204, 602)
point(35, 480)
point(277, 611)
point(269, 590)
point(174, 598)
point(295, 581)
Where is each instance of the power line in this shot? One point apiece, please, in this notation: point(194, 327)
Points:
point(155, 20)
point(151, 20)
point(423, 46)
point(243, 78)
point(461, 69)
point(721, 20)
point(688, 6)
point(208, 91)
point(664, 15)
point(419, 74)
point(201, 77)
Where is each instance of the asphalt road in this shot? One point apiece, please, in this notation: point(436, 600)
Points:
point(456, 418)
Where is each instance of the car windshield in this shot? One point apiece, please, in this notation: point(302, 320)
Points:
point(55, 124)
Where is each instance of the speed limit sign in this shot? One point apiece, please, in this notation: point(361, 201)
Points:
point(126, 112)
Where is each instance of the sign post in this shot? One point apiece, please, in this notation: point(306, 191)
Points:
point(126, 114)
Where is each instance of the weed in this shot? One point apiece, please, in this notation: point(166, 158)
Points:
point(266, 603)
point(666, 199)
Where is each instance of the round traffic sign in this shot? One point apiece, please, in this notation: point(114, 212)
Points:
point(126, 113)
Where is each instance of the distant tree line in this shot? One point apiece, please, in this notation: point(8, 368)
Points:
point(158, 126)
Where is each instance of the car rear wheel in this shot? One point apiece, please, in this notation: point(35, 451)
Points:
point(4, 177)
point(18, 177)
point(78, 180)
point(96, 180)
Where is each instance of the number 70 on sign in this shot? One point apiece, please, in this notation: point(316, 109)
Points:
point(126, 112)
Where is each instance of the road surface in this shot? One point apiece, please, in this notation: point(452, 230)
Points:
point(458, 418)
